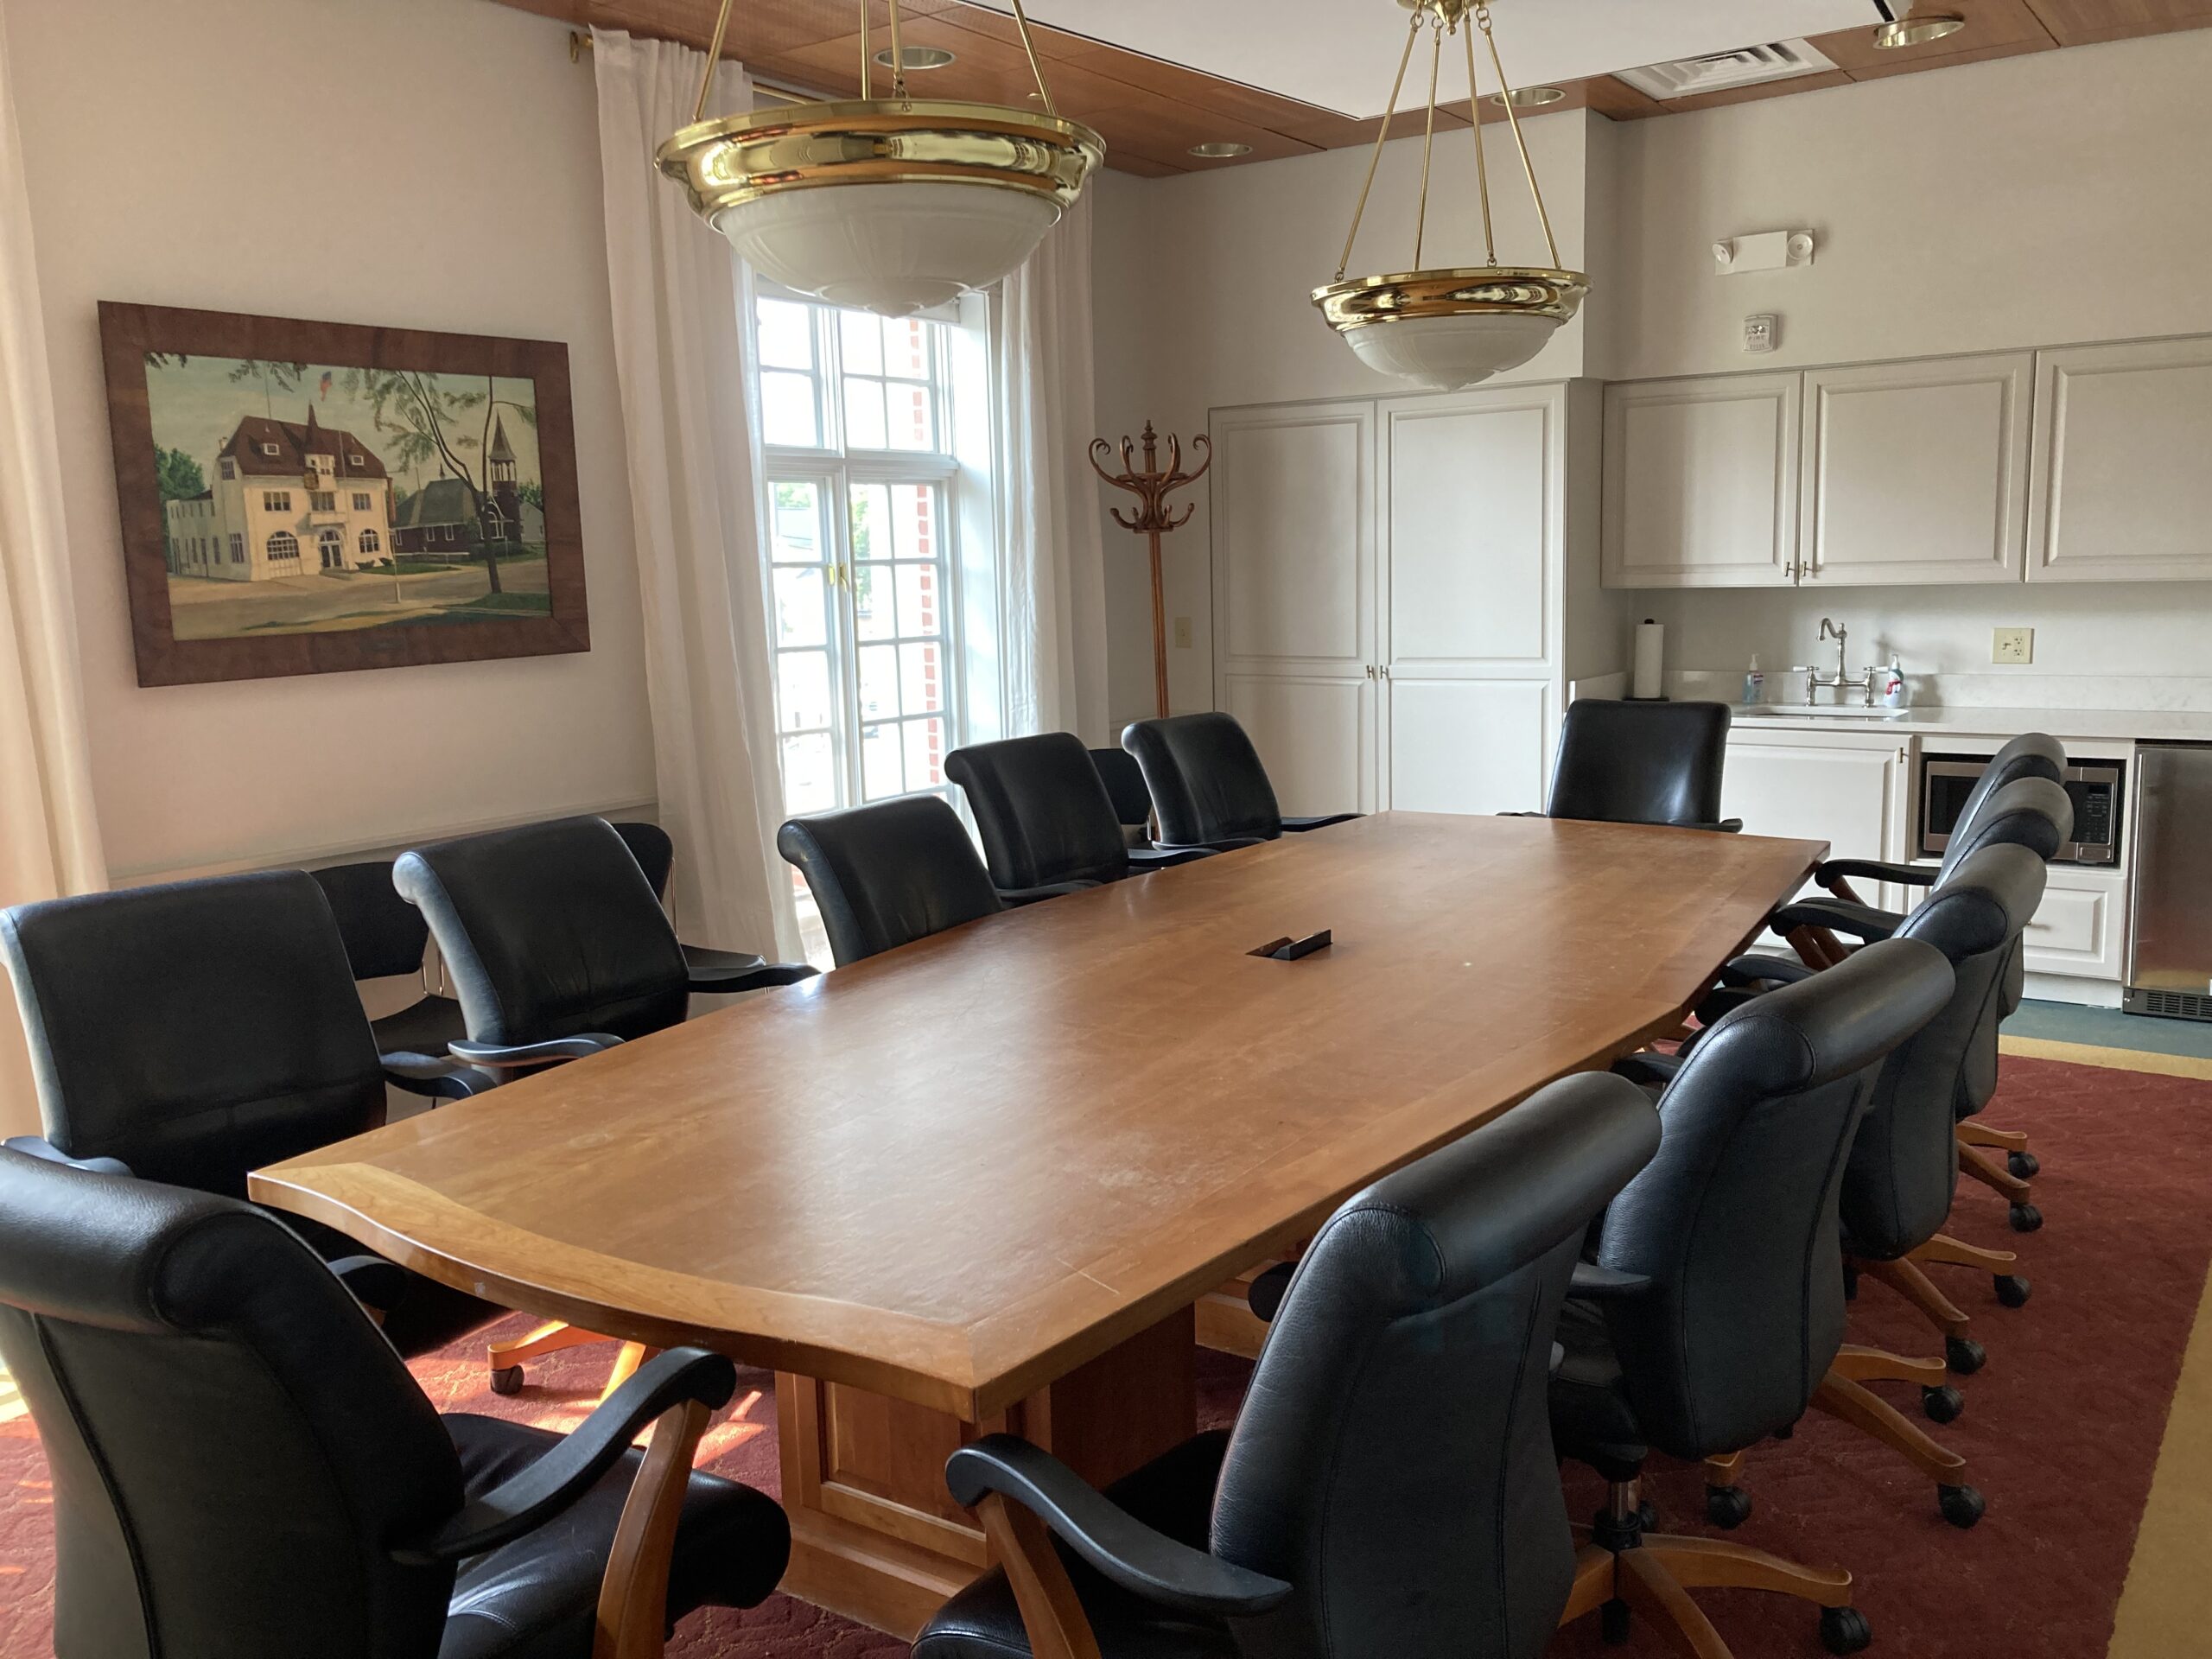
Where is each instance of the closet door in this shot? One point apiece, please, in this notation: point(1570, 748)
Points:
point(1295, 623)
point(1472, 537)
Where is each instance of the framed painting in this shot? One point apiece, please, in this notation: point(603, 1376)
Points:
point(312, 498)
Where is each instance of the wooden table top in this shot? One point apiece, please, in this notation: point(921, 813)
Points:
point(953, 1172)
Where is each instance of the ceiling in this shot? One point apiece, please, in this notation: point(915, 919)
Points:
point(1155, 77)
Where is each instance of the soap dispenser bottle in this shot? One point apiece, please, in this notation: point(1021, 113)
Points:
point(1896, 693)
point(1754, 684)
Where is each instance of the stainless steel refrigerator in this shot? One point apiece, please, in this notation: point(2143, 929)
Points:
point(2170, 893)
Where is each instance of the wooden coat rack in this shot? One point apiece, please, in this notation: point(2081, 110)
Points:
point(1154, 518)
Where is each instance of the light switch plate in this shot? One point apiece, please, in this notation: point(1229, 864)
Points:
point(2012, 645)
point(1182, 634)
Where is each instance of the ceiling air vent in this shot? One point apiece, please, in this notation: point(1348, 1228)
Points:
point(1717, 72)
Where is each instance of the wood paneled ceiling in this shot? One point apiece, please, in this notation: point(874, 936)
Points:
point(1151, 112)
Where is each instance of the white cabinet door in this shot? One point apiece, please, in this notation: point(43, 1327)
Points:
point(1916, 472)
point(1472, 569)
point(1294, 539)
point(1847, 790)
point(1701, 482)
point(2122, 490)
point(1315, 735)
point(1468, 746)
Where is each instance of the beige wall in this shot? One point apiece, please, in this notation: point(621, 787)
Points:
point(1202, 285)
point(459, 148)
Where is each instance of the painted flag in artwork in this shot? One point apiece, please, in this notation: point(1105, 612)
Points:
point(326, 385)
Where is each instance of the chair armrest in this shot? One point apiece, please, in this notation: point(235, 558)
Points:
point(1016, 897)
point(725, 973)
point(374, 1282)
point(1860, 921)
point(1750, 970)
point(1658, 1069)
point(434, 1077)
point(1139, 1559)
point(1718, 826)
point(1300, 826)
point(1265, 1294)
point(1166, 858)
point(528, 1500)
point(37, 1145)
point(1866, 869)
point(1592, 1283)
point(501, 1056)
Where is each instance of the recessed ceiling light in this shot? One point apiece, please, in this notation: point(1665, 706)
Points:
point(917, 57)
point(1530, 98)
point(1220, 151)
point(1917, 27)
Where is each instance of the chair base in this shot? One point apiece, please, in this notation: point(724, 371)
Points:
point(506, 1358)
point(1621, 1574)
point(1842, 1395)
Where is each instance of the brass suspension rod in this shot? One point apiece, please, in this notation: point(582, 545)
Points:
point(1505, 86)
point(1427, 142)
point(1481, 162)
point(1021, 23)
point(713, 57)
point(1382, 136)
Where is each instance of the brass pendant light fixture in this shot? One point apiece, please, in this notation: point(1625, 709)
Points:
point(1919, 25)
point(1450, 327)
point(890, 204)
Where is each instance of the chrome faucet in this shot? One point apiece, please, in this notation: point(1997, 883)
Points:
point(1843, 679)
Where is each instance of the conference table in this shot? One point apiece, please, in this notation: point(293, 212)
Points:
point(1002, 1178)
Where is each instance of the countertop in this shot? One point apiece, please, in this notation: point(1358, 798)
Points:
point(2087, 725)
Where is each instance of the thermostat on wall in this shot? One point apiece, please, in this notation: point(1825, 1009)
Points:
point(1762, 333)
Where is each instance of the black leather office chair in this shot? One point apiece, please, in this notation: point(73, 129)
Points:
point(888, 874)
point(1124, 780)
point(194, 1032)
point(242, 1465)
point(1047, 823)
point(385, 937)
point(1208, 786)
point(557, 950)
point(1712, 1312)
point(1641, 763)
point(653, 848)
point(1388, 1487)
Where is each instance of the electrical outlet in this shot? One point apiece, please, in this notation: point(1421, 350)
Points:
point(2012, 645)
point(1182, 634)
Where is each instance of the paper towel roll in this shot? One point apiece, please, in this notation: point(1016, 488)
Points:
point(1650, 678)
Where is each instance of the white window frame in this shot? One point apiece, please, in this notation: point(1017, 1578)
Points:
point(835, 469)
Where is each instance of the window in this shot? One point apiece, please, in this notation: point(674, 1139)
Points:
point(360, 501)
point(228, 467)
point(855, 415)
point(357, 461)
point(322, 501)
point(276, 500)
point(283, 545)
point(238, 548)
point(371, 543)
point(331, 544)
point(269, 450)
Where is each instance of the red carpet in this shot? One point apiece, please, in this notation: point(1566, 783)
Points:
point(2062, 1429)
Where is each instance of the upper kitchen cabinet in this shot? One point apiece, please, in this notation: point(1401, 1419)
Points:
point(1916, 472)
point(2122, 491)
point(1702, 482)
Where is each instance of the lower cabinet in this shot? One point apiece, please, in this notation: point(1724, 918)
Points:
point(1851, 790)
point(2080, 930)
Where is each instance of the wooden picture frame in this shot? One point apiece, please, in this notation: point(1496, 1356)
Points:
point(244, 600)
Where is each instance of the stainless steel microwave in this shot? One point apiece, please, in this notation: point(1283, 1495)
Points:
point(1946, 780)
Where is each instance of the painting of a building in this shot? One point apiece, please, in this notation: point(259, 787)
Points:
point(441, 520)
point(287, 497)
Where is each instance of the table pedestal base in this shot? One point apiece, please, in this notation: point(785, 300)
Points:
point(874, 1534)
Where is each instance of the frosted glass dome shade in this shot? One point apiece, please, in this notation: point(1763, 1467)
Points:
point(1449, 353)
point(894, 249)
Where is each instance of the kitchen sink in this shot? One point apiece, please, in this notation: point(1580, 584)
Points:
point(1817, 711)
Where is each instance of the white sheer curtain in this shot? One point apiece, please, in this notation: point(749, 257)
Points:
point(49, 840)
point(1054, 565)
point(695, 502)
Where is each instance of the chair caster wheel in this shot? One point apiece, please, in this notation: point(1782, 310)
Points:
point(1728, 1507)
point(1943, 1405)
point(1612, 1622)
point(2026, 1218)
point(2023, 1166)
point(1964, 1355)
point(1962, 1505)
point(2011, 1289)
point(507, 1379)
point(1844, 1629)
point(1646, 1518)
